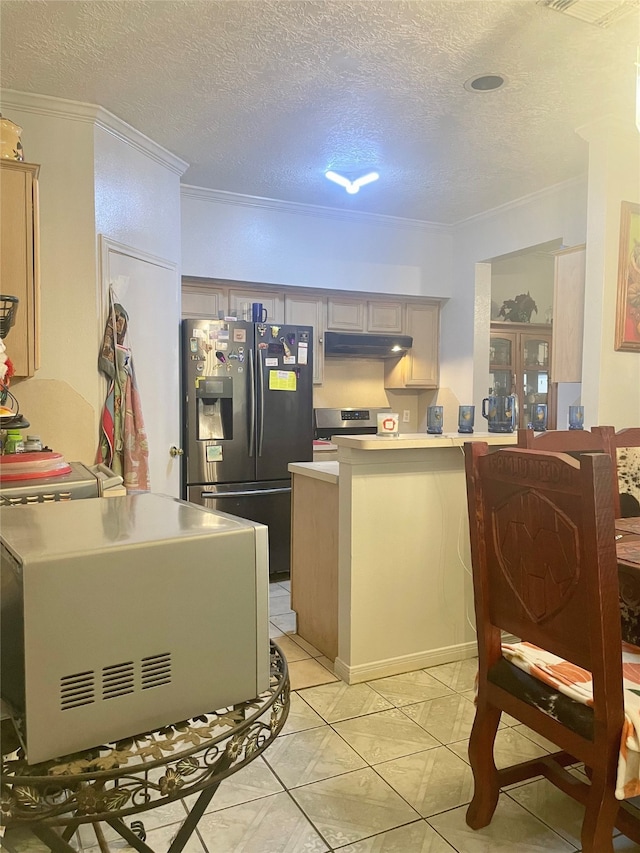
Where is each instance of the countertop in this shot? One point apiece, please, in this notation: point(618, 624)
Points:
point(420, 440)
point(321, 446)
point(327, 471)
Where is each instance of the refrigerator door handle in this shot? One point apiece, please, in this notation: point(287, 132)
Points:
point(246, 494)
point(261, 413)
point(252, 404)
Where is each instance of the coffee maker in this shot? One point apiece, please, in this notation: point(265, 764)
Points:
point(10, 416)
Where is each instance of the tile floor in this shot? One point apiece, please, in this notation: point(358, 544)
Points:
point(370, 768)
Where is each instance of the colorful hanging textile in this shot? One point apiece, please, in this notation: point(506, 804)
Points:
point(123, 439)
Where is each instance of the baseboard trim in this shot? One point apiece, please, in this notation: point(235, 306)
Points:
point(406, 663)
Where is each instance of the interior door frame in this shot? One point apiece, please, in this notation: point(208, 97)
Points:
point(107, 248)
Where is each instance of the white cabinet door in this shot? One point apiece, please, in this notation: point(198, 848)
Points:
point(345, 315)
point(419, 368)
point(198, 300)
point(384, 317)
point(241, 300)
point(300, 310)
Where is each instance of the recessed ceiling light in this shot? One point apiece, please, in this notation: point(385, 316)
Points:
point(485, 83)
point(351, 187)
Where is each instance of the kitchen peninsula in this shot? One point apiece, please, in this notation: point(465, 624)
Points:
point(380, 565)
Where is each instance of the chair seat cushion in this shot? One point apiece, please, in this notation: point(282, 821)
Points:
point(574, 715)
point(574, 683)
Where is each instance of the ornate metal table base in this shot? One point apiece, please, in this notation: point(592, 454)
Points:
point(126, 778)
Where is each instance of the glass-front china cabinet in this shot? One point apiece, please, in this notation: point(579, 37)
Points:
point(519, 363)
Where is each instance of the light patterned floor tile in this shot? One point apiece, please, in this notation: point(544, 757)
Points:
point(326, 663)
point(286, 622)
point(274, 631)
point(535, 737)
point(301, 716)
point(430, 781)
point(552, 806)
point(510, 747)
point(269, 825)
point(306, 646)
point(384, 736)
point(512, 830)
point(340, 701)
point(170, 813)
point(157, 839)
point(459, 676)
point(309, 756)
point(292, 651)
point(23, 841)
point(348, 808)
point(416, 837)
point(285, 585)
point(448, 719)
point(308, 673)
point(279, 605)
point(252, 782)
point(622, 844)
point(409, 687)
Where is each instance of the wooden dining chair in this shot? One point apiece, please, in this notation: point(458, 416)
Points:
point(575, 442)
point(545, 571)
point(626, 453)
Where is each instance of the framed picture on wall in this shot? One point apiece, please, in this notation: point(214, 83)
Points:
point(628, 306)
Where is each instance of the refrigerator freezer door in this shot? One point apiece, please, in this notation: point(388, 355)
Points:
point(266, 502)
point(284, 416)
point(218, 400)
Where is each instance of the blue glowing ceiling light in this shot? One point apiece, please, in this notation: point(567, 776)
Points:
point(352, 187)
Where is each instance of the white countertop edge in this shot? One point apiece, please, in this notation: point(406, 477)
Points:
point(327, 471)
point(418, 441)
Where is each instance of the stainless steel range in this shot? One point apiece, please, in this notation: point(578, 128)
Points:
point(347, 421)
point(83, 481)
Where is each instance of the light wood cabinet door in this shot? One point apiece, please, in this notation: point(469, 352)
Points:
point(204, 302)
point(384, 317)
point(300, 310)
point(240, 302)
point(568, 315)
point(19, 260)
point(419, 368)
point(345, 315)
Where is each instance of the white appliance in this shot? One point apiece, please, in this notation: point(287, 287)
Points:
point(120, 615)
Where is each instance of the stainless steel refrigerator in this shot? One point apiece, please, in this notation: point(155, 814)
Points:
point(247, 413)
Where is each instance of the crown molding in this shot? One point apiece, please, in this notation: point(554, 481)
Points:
point(98, 117)
point(278, 206)
point(523, 201)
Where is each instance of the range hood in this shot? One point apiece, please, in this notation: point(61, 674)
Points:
point(366, 346)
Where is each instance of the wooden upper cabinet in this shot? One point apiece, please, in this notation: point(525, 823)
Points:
point(568, 315)
point(360, 315)
point(240, 301)
point(345, 315)
point(202, 301)
point(419, 368)
point(384, 317)
point(19, 261)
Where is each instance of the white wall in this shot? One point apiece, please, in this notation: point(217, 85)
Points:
point(611, 386)
point(559, 212)
point(97, 176)
point(245, 239)
point(61, 400)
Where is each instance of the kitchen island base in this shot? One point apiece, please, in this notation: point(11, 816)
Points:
point(404, 585)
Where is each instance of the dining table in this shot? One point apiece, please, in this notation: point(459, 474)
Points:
point(628, 554)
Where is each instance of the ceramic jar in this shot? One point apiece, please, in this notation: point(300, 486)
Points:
point(10, 145)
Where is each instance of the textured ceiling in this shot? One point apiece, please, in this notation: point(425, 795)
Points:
point(262, 97)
